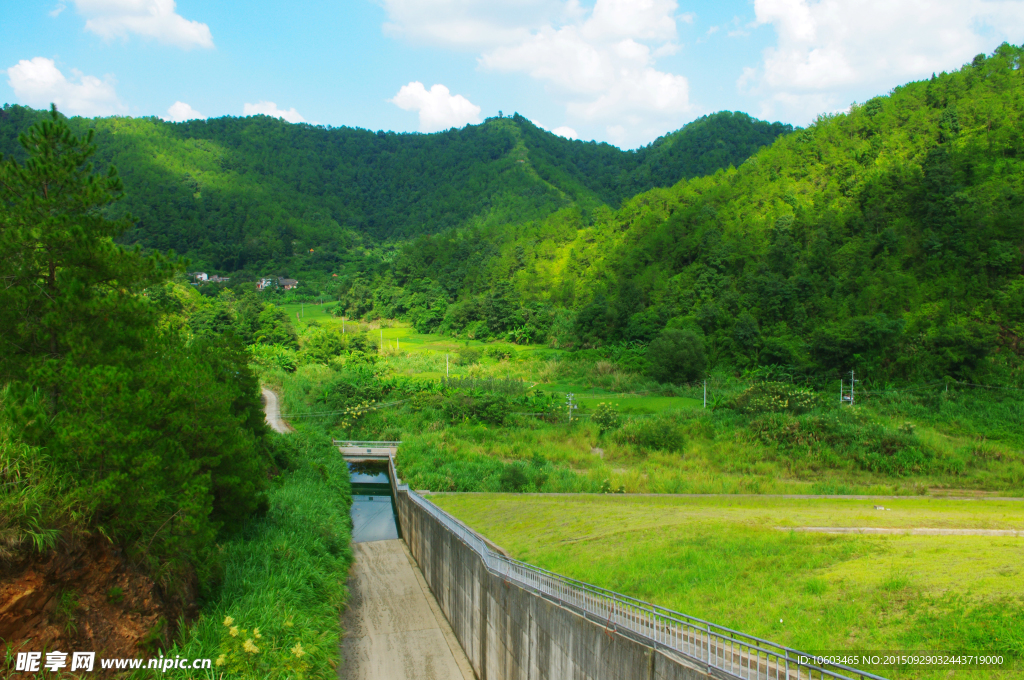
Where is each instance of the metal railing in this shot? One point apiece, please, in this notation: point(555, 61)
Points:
point(372, 444)
point(721, 649)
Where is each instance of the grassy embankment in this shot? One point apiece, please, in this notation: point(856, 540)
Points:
point(283, 582)
point(737, 562)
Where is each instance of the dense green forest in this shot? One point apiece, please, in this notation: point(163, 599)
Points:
point(258, 195)
point(888, 239)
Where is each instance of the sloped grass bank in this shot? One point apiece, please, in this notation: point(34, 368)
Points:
point(725, 560)
point(275, 613)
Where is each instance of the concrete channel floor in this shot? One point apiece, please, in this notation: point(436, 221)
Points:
point(394, 629)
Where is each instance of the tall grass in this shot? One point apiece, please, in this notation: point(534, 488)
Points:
point(507, 386)
point(284, 576)
point(37, 502)
point(891, 442)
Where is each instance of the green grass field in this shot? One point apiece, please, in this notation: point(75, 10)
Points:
point(664, 441)
point(307, 312)
point(737, 562)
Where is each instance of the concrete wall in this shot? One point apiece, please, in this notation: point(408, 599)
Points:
point(510, 633)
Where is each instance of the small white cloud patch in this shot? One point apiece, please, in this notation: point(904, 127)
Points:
point(157, 19)
point(270, 109)
point(38, 82)
point(179, 112)
point(438, 108)
point(566, 132)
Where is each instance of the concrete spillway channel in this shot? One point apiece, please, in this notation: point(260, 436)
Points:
point(394, 629)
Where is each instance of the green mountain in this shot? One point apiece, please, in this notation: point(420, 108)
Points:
point(236, 193)
point(888, 239)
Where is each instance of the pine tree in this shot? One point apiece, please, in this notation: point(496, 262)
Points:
point(67, 287)
point(162, 435)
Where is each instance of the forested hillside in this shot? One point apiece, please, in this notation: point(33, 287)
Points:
point(889, 239)
point(264, 195)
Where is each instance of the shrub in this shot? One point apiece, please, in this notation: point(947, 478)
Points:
point(320, 345)
point(468, 356)
point(650, 434)
point(605, 417)
point(360, 342)
point(513, 479)
point(774, 397)
point(274, 356)
point(485, 408)
point(677, 356)
point(499, 352)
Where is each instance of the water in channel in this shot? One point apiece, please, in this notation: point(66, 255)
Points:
point(373, 509)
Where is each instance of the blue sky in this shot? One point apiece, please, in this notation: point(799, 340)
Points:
point(622, 71)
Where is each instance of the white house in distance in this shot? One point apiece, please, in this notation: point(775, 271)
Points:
point(264, 283)
point(200, 277)
point(288, 284)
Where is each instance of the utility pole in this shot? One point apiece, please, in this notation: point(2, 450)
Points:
point(705, 393)
point(446, 371)
point(343, 325)
point(569, 403)
point(382, 338)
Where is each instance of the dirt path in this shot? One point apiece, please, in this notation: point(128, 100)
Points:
point(273, 411)
point(915, 531)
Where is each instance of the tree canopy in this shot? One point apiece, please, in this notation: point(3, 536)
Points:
point(161, 433)
point(257, 192)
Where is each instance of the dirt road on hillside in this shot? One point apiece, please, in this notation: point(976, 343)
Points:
point(273, 411)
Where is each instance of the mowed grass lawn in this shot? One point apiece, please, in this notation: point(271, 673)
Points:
point(737, 562)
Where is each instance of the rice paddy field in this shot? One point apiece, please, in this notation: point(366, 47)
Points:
point(750, 563)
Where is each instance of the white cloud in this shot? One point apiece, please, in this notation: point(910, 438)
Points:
point(474, 24)
point(270, 109)
point(156, 19)
point(438, 108)
point(563, 131)
point(829, 48)
point(600, 62)
point(179, 112)
point(38, 83)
